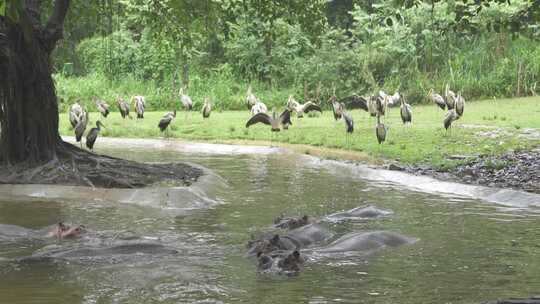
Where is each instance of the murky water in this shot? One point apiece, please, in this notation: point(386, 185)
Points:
point(469, 250)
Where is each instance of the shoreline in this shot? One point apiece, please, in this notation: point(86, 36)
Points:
point(460, 174)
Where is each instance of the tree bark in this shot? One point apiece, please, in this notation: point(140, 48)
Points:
point(29, 122)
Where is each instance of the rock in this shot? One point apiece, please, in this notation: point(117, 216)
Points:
point(395, 167)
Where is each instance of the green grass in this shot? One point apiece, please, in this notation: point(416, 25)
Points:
point(425, 142)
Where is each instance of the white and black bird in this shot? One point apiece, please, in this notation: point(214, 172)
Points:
point(81, 126)
point(166, 120)
point(406, 112)
point(102, 107)
point(337, 107)
point(186, 101)
point(139, 104)
point(258, 107)
point(300, 109)
point(449, 118)
point(273, 121)
point(460, 104)
point(380, 130)
point(93, 134)
point(123, 107)
point(437, 99)
point(251, 100)
point(391, 100)
point(355, 102)
point(349, 122)
point(75, 113)
point(449, 98)
point(207, 108)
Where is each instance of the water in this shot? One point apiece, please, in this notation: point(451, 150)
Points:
point(469, 251)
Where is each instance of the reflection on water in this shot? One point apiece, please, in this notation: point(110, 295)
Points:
point(469, 251)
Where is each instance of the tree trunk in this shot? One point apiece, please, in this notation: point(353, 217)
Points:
point(30, 119)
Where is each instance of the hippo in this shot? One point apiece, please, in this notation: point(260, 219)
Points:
point(289, 263)
point(58, 231)
point(290, 223)
point(366, 242)
point(294, 239)
point(63, 231)
point(359, 213)
point(532, 300)
point(81, 252)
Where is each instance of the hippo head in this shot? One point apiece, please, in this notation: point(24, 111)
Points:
point(265, 245)
point(73, 232)
point(292, 262)
point(264, 261)
point(58, 230)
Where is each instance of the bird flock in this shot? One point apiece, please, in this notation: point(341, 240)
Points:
point(376, 105)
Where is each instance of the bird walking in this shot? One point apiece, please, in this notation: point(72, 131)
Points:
point(166, 120)
point(207, 108)
point(437, 99)
point(380, 130)
point(102, 107)
point(93, 134)
point(123, 106)
point(449, 118)
point(406, 112)
point(139, 105)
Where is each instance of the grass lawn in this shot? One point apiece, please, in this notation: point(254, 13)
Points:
point(487, 127)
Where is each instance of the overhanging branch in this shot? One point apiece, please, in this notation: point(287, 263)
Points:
point(55, 25)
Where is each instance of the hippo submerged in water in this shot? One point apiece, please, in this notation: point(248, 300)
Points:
point(359, 213)
point(58, 231)
point(283, 251)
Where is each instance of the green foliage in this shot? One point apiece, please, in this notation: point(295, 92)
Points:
point(217, 48)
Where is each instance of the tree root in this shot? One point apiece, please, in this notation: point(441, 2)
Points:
point(74, 166)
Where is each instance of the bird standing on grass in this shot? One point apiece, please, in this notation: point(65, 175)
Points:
point(258, 107)
point(207, 108)
point(81, 126)
point(93, 134)
point(75, 113)
point(139, 105)
point(166, 120)
point(380, 130)
point(123, 106)
point(437, 99)
point(449, 97)
point(186, 101)
point(406, 112)
point(251, 100)
point(102, 107)
point(449, 118)
point(460, 104)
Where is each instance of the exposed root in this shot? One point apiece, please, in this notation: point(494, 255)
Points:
point(74, 166)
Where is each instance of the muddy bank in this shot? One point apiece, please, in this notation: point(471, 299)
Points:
point(514, 169)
